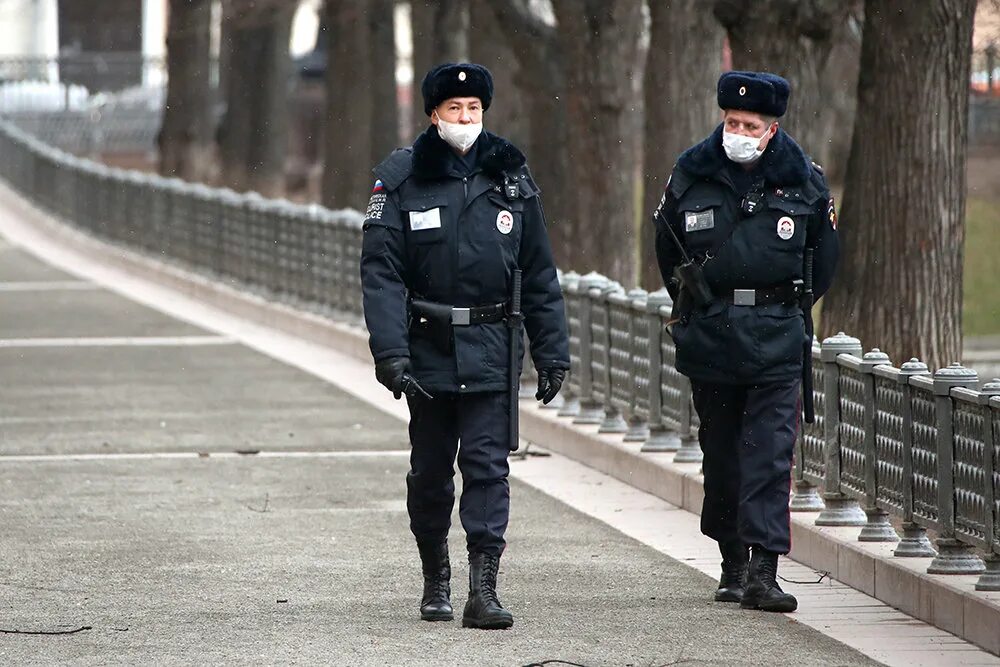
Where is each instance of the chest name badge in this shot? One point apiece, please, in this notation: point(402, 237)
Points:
point(786, 228)
point(421, 220)
point(697, 221)
point(505, 222)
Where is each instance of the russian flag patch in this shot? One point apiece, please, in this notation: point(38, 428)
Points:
point(378, 186)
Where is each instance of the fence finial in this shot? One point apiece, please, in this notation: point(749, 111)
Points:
point(955, 375)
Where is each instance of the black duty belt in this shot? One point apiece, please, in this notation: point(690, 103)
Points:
point(459, 317)
point(790, 293)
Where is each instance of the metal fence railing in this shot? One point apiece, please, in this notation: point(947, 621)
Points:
point(889, 443)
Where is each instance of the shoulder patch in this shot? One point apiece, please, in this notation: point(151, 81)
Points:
point(376, 203)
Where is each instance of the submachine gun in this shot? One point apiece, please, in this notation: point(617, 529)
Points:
point(693, 286)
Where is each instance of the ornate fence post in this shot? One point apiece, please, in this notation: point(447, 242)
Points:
point(914, 543)
point(660, 439)
point(840, 510)
point(571, 295)
point(690, 451)
point(990, 399)
point(354, 233)
point(638, 428)
point(613, 422)
point(878, 528)
point(591, 411)
point(559, 401)
point(805, 495)
point(954, 556)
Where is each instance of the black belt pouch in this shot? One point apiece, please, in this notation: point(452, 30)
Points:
point(432, 321)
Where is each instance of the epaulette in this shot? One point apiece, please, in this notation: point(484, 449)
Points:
point(679, 182)
point(395, 169)
point(816, 188)
point(527, 188)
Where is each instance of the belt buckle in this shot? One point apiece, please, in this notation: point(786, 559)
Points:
point(744, 297)
point(461, 317)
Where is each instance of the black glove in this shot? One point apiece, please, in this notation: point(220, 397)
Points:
point(394, 374)
point(549, 383)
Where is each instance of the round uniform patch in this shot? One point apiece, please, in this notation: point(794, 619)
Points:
point(505, 222)
point(786, 228)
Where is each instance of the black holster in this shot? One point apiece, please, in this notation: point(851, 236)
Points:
point(432, 321)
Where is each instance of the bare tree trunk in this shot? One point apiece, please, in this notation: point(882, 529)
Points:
point(792, 38)
point(254, 134)
point(440, 35)
point(382, 56)
point(490, 46)
point(541, 84)
point(269, 142)
point(838, 88)
point(237, 124)
point(451, 31)
point(681, 74)
point(902, 221)
point(422, 29)
point(600, 44)
point(185, 138)
point(347, 179)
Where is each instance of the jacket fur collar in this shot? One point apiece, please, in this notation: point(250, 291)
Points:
point(496, 156)
point(784, 163)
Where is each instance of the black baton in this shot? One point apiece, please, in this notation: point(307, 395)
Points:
point(807, 376)
point(514, 318)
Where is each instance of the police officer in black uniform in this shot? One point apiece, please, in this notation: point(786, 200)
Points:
point(744, 217)
point(449, 221)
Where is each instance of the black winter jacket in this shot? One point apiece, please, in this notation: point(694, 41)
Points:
point(445, 229)
point(733, 344)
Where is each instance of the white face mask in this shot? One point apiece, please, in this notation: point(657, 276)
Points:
point(741, 149)
point(458, 135)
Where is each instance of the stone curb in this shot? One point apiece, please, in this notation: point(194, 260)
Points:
point(947, 602)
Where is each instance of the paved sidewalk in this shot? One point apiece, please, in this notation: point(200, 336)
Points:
point(300, 554)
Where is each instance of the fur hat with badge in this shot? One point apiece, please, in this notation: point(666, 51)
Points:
point(456, 80)
point(759, 92)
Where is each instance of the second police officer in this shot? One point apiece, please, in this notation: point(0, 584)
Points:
point(449, 222)
point(746, 240)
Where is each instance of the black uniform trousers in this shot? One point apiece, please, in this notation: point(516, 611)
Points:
point(747, 435)
point(475, 426)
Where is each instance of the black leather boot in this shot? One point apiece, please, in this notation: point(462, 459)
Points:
point(762, 591)
point(436, 603)
point(734, 572)
point(483, 610)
